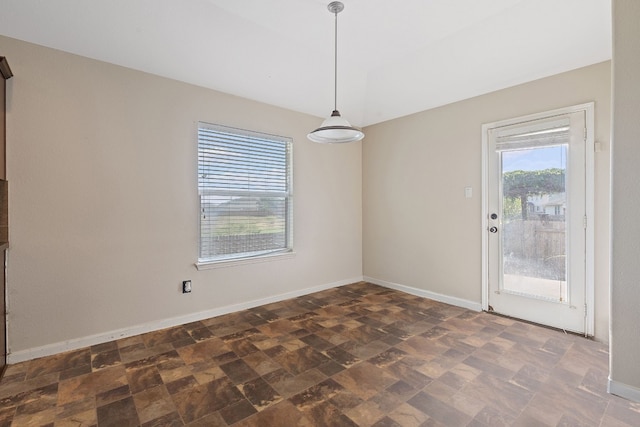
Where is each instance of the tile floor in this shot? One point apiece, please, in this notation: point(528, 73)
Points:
point(358, 355)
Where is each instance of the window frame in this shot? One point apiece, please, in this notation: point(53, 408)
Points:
point(248, 257)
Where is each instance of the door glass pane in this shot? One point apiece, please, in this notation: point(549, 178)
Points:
point(534, 209)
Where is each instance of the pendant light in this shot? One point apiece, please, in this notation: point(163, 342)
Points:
point(335, 129)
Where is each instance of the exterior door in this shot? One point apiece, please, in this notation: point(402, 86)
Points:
point(536, 219)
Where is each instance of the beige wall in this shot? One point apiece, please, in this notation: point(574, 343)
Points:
point(625, 248)
point(102, 167)
point(419, 229)
point(104, 206)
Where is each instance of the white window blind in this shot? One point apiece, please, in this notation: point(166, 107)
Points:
point(543, 133)
point(244, 182)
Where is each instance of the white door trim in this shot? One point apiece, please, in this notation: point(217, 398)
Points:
point(588, 109)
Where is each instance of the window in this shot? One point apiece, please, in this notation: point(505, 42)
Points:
point(244, 183)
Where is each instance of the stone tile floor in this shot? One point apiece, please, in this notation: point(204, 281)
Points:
point(358, 355)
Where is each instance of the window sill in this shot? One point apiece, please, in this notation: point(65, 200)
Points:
point(209, 265)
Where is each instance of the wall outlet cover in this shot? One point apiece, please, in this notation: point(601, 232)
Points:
point(186, 286)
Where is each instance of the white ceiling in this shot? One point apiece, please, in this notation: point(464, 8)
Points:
point(394, 57)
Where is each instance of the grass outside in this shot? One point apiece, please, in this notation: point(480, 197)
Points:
point(243, 225)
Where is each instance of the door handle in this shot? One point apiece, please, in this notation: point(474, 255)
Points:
point(493, 229)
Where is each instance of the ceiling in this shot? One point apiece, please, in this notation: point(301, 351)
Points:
point(394, 57)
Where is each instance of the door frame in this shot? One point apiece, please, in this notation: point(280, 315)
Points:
point(588, 109)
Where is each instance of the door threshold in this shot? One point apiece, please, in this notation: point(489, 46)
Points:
point(553, 328)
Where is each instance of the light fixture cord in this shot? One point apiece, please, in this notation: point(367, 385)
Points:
point(335, 68)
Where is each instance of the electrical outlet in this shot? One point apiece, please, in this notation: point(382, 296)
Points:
point(186, 286)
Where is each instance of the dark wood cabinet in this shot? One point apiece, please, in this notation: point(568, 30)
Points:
point(5, 74)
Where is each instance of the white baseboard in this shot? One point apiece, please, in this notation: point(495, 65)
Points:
point(77, 343)
point(459, 302)
point(626, 391)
